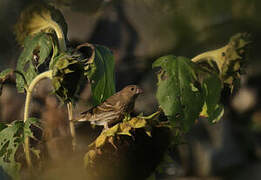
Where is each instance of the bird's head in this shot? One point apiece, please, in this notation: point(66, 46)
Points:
point(132, 90)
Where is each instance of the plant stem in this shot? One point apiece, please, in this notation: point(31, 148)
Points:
point(60, 35)
point(72, 129)
point(47, 74)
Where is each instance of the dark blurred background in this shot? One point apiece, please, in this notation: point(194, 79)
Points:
point(140, 31)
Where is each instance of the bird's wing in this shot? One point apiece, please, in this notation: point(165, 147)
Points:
point(102, 112)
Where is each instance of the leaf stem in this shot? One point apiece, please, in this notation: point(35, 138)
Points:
point(152, 115)
point(72, 129)
point(47, 74)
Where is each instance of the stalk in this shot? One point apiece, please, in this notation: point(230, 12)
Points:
point(47, 74)
point(72, 129)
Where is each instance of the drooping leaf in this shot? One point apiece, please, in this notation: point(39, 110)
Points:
point(227, 61)
point(179, 93)
point(40, 17)
point(68, 74)
point(100, 71)
point(33, 59)
point(3, 76)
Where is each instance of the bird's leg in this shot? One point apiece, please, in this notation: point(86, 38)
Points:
point(105, 126)
point(112, 143)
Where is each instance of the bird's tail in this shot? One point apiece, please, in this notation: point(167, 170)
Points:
point(81, 119)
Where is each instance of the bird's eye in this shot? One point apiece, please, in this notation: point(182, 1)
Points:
point(132, 89)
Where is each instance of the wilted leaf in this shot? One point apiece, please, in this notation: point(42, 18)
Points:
point(100, 72)
point(227, 61)
point(179, 93)
point(33, 59)
point(100, 141)
point(89, 157)
point(125, 129)
point(67, 76)
point(137, 123)
point(40, 17)
point(112, 131)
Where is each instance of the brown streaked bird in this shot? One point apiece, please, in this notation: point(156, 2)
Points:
point(113, 109)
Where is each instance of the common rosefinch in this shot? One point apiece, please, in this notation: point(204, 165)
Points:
point(113, 109)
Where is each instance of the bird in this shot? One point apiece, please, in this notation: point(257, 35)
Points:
point(114, 108)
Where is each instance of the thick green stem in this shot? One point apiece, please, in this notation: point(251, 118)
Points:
point(72, 129)
point(47, 74)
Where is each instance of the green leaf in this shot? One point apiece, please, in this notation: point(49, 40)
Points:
point(2, 126)
point(3, 76)
point(33, 59)
point(10, 139)
point(30, 121)
point(68, 75)
point(40, 17)
point(100, 72)
point(179, 93)
point(212, 88)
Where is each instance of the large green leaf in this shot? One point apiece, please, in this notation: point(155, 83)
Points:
point(179, 93)
point(100, 71)
point(33, 59)
point(11, 137)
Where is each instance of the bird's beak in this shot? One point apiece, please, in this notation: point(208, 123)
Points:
point(139, 91)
